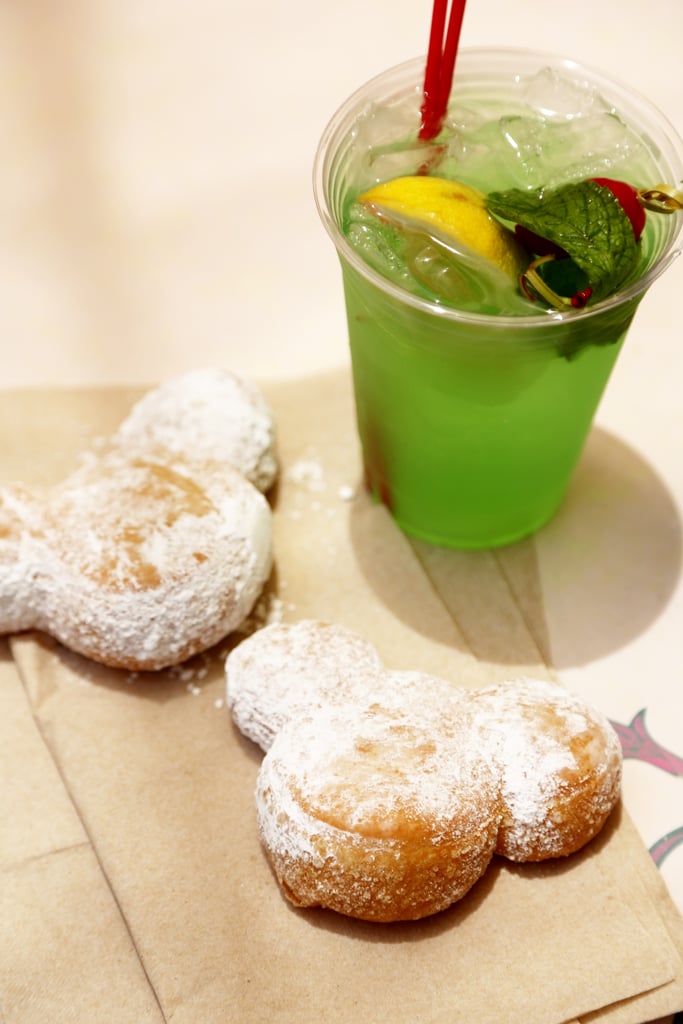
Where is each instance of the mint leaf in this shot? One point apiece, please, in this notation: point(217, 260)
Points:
point(586, 220)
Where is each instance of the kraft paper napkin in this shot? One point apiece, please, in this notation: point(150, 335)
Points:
point(128, 800)
point(64, 944)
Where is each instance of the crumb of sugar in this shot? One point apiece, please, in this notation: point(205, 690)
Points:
point(268, 610)
point(307, 472)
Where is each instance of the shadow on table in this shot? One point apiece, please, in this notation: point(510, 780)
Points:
point(586, 584)
point(611, 559)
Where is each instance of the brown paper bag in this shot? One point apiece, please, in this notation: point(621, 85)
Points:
point(140, 848)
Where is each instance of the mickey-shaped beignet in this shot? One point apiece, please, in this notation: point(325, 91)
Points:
point(383, 795)
point(143, 556)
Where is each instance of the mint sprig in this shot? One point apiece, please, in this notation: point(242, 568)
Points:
point(583, 218)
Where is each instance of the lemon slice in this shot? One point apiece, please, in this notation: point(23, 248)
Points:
point(455, 211)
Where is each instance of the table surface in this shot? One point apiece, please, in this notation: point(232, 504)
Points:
point(153, 155)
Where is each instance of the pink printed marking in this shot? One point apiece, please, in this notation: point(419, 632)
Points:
point(637, 743)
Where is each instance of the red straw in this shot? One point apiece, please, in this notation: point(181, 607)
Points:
point(440, 65)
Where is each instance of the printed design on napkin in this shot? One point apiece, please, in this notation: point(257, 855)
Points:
point(666, 845)
point(638, 744)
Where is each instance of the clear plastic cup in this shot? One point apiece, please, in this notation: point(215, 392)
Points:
point(471, 424)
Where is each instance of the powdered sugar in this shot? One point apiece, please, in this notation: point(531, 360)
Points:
point(405, 752)
point(209, 414)
point(158, 545)
point(141, 568)
point(19, 526)
point(367, 770)
point(282, 669)
point(554, 750)
point(307, 472)
point(382, 807)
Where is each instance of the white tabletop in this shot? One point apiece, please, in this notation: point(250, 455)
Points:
point(155, 188)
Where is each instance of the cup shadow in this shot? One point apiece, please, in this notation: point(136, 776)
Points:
point(613, 554)
point(611, 558)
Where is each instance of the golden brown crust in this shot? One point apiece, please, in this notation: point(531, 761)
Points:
point(381, 881)
point(385, 796)
point(384, 810)
point(560, 762)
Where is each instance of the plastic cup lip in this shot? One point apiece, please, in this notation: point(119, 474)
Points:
point(341, 122)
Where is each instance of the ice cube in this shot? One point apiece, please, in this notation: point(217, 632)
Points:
point(432, 268)
point(425, 264)
point(408, 156)
point(548, 152)
point(385, 141)
point(553, 94)
point(458, 277)
point(482, 157)
point(388, 142)
point(379, 243)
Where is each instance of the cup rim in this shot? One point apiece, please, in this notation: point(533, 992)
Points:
point(341, 120)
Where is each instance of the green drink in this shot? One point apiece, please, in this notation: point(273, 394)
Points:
point(473, 404)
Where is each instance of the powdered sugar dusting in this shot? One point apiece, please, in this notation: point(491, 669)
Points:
point(140, 563)
point(553, 750)
point(19, 527)
point(408, 750)
point(284, 668)
point(158, 545)
point(383, 807)
point(212, 414)
point(384, 794)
